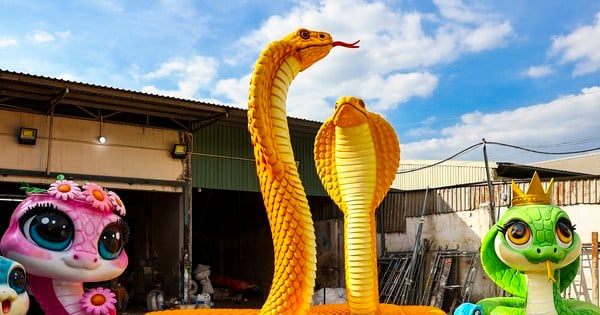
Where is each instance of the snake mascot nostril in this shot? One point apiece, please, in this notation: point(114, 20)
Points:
point(532, 253)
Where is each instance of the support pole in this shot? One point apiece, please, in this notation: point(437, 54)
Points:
point(410, 271)
point(595, 268)
point(381, 223)
point(186, 250)
point(490, 186)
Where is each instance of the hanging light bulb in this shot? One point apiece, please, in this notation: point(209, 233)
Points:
point(101, 138)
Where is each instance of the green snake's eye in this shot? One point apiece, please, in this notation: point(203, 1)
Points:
point(304, 34)
point(518, 233)
point(564, 232)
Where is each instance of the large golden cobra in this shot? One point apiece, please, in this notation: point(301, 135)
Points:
point(283, 194)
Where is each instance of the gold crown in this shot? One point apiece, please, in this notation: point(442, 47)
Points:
point(535, 194)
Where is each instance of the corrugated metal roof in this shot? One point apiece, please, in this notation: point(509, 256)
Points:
point(45, 96)
point(588, 164)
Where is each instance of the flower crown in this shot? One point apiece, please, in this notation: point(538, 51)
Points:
point(99, 198)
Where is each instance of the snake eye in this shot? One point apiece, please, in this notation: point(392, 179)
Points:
point(304, 34)
point(112, 239)
point(564, 232)
point(518, 234)
point(48, 227)
point(17, 280)
point(362, 103)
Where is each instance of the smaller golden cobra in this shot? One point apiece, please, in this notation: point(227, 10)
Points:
point(357, 154)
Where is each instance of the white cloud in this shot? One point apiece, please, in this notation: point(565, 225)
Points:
point(538, 71)
point(192, 75)
point(456, 10)
point(402, 41)
point(565, 118)
point(422, 132)
point(486, 36)
point(8, 42)
point(63, 35)
point(388, 69)
point(39, 36)
point(235, 89)
point(580, 48)
point(397, 88)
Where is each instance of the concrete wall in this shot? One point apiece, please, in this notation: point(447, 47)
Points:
point(464, 230)
point(130, 151)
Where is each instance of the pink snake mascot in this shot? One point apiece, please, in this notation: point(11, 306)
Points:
point(65, 236)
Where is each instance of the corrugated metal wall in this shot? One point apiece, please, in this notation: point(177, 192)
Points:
point(223, 159)
point(577, 191)
point(449, 173)
point(396, 207)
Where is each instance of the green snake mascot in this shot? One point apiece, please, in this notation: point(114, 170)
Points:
point(532, 253)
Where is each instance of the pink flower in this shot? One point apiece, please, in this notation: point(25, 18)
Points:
point(98, 301)
point(117, 202)
point(64, 189)
point(95, 195)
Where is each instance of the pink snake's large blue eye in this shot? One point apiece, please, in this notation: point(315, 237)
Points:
point(48, 227)
point(112, 239)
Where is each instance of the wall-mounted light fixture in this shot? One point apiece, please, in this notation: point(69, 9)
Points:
point(179, 151)
point(27, 135)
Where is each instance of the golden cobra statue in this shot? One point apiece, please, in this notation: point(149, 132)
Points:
point(357, 154)
point(283, 194)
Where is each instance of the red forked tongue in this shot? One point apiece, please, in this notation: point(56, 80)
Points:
point(347, 45)
point(5, 307)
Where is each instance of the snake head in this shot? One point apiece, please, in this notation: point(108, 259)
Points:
point(538, 239)
point(349, 112)
point(311, 46)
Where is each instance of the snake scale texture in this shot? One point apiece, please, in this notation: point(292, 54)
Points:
point(285, 200)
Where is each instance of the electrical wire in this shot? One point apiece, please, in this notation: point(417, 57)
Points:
point(544, 152)
point(442, 161)
point(470, 148)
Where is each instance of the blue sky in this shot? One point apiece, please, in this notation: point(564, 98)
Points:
point(445, 73)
